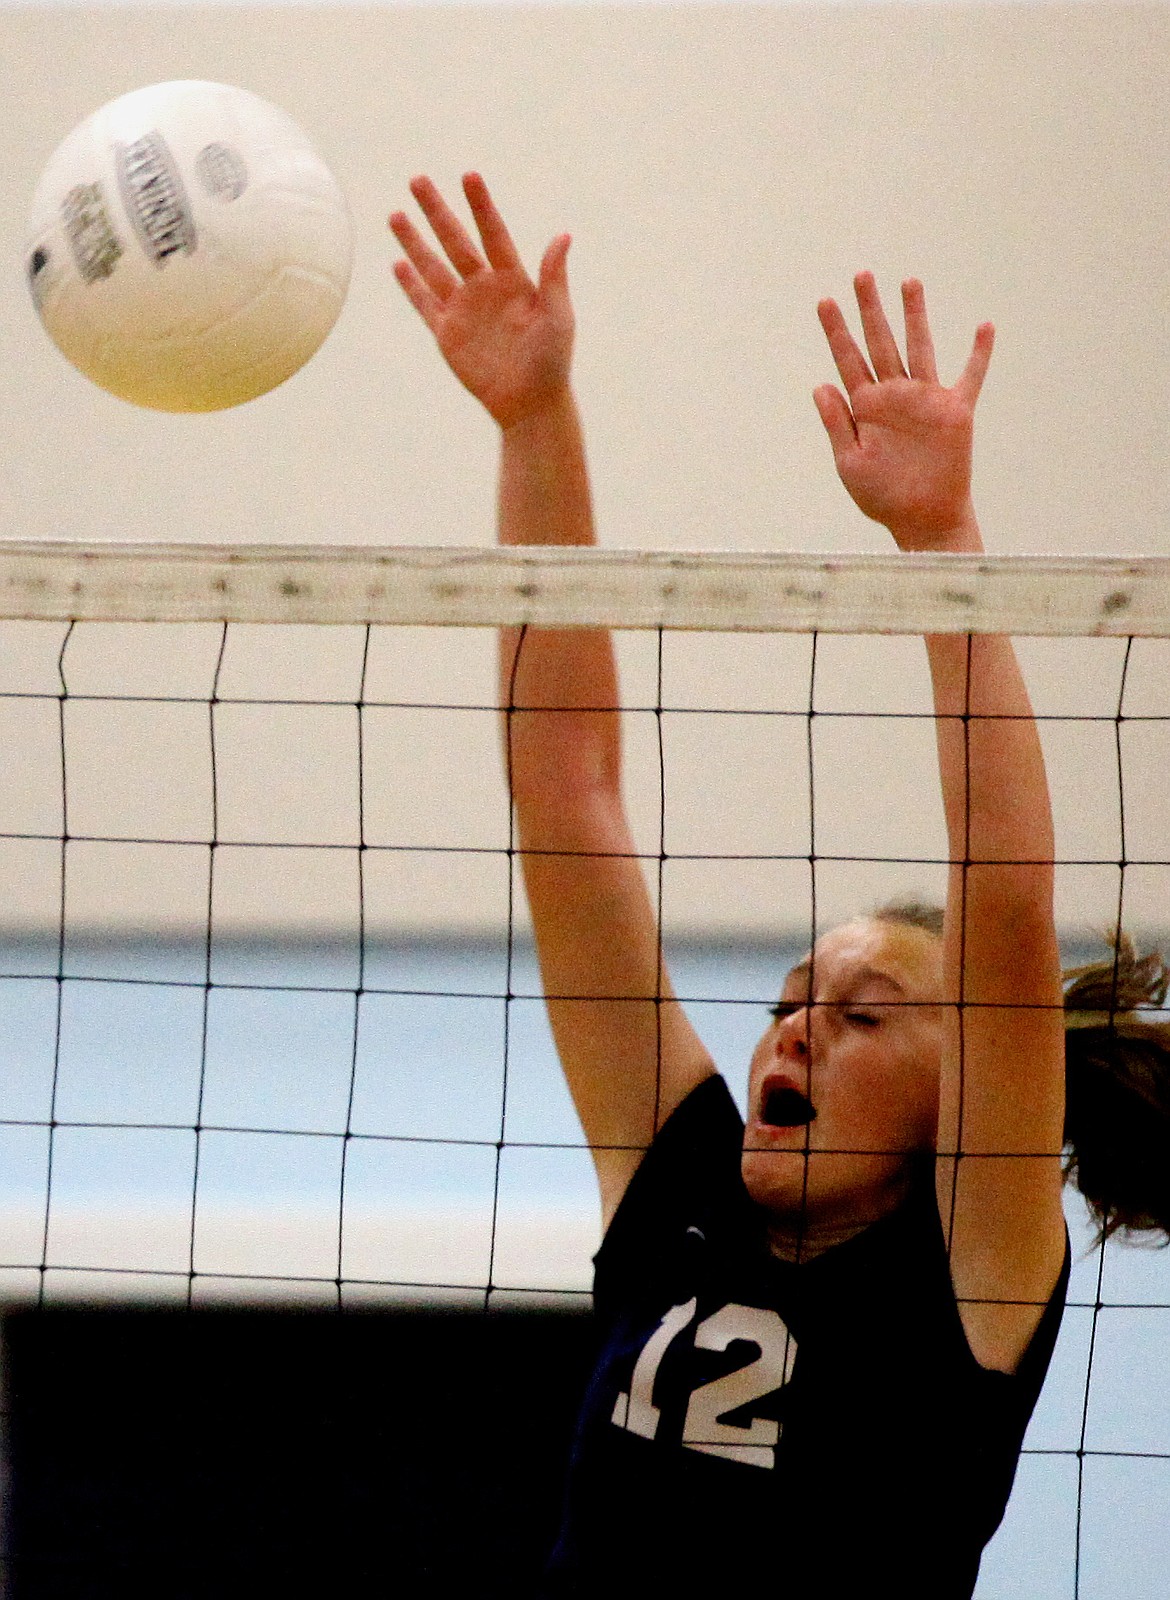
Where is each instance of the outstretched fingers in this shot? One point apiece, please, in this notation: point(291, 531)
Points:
point(971, 378)
point(553, 273)
point(834, 412)
point(424, 274)
point(884, 354)
point(497, 242)
point(461, 250)
point(852, 367)
point(429, 278)
point(920, 346)
point(425, 301)
point(920, 357)
point(884, 358)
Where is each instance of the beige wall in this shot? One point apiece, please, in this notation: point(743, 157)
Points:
point(720, 168)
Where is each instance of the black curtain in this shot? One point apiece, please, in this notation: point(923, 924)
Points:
point(194, 1453)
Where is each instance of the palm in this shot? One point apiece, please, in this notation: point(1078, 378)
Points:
point(505, 342)
point(910, 464)
point(901, 440)
point(507, 339)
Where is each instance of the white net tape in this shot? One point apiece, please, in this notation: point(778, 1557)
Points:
point(550, 586)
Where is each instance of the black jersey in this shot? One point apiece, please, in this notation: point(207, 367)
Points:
point(820, 1429)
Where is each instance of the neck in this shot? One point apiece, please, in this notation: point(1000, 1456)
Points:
point(789, 1243)
point(807, 1235)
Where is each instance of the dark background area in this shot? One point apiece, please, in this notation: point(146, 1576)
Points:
point(190, 1454)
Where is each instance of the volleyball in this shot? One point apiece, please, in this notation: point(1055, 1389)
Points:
point(188, 249)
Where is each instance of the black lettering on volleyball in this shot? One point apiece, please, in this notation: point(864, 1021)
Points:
point(91, 235)
point(221, 171)
point(37, 264)
point(155, 199)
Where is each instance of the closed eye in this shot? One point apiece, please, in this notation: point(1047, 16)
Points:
point(862, 1019)
point(783, 1008)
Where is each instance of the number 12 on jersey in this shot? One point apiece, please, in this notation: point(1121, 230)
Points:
point(709, 1403)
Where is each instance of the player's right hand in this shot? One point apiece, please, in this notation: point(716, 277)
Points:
point(508, 340)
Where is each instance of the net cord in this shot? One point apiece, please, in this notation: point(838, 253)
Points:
point(557, 586)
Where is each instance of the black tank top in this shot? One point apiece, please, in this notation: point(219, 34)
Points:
point(821, 1429)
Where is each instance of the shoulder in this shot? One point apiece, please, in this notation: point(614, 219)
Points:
point(693, 1162)
point(906, 1258)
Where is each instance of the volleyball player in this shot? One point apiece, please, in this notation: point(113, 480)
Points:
point(821, 1335)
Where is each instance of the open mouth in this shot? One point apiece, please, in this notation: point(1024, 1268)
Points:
point(785, 1107)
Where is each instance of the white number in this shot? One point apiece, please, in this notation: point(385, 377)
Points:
point(636, 1411)
point(703, 1430)
point(755, 1444)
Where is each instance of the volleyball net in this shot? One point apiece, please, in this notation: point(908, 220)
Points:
point(272, 1022)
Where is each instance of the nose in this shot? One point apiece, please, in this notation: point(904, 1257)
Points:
point(792, 1035)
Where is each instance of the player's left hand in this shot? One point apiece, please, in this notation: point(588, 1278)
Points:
point(901, 440)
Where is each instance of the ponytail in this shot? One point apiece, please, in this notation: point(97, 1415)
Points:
point(1117, 1078)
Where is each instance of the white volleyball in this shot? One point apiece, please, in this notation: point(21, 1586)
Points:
point(188, 249)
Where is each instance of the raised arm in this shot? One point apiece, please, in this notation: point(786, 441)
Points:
point(629, 1054)
point(902, 444)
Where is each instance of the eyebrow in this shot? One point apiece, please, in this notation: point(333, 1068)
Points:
point(865, 974)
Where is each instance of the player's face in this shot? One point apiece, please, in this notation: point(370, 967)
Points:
point(844, 1089)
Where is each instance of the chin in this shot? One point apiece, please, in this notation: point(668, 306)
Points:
point(790, 1183)
point(781, 1181)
